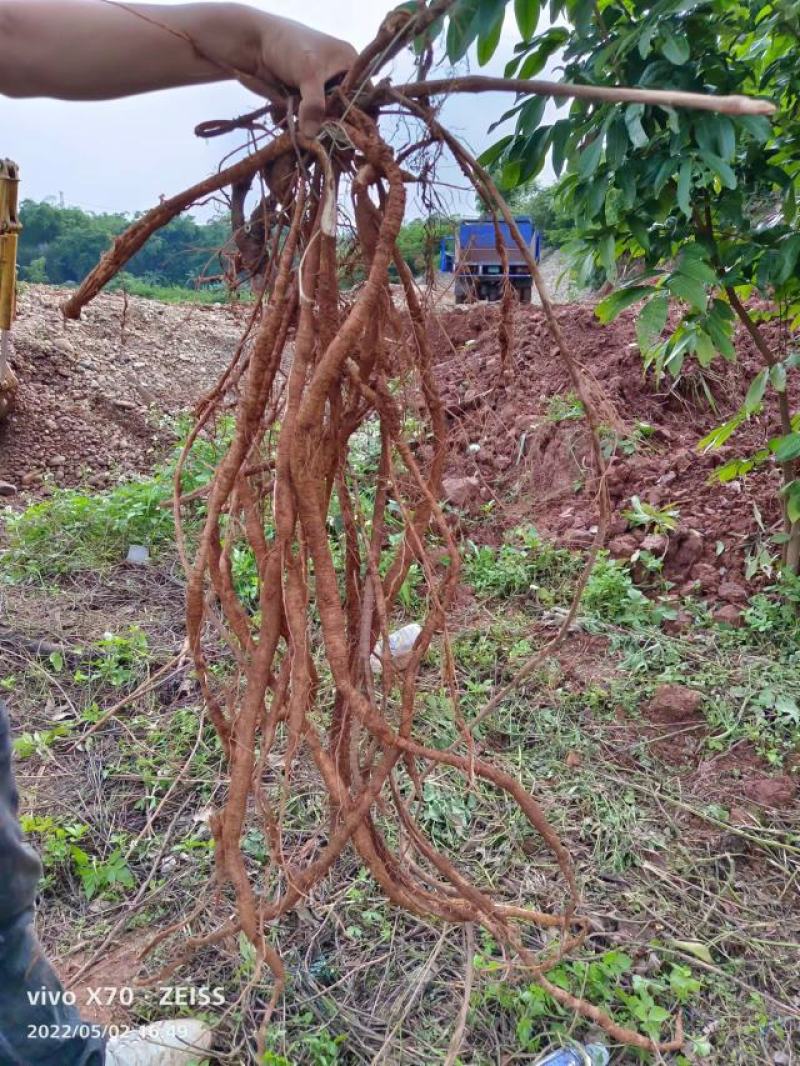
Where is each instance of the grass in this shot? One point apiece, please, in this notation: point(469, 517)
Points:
point(686, 912)
point(178, 294)
point(74, 530)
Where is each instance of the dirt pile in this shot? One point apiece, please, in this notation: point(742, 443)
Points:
point(93, 393)
point(528, 446)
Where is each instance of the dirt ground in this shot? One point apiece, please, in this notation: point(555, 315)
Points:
point(93, 393)
point(505, 434)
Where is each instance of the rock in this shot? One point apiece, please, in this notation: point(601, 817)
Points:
point(623, 547)
point(706, 574)
point(57, 460)
point(679, 624)
point(7, 489)
point(675, 703)
point(733, 592)
point(685, 550)
point(458, 491)
point(729, 616)
point(579, 538)
point(771, 791)
point(655, 543)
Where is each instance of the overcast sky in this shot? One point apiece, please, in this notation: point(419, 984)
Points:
point(123, 154)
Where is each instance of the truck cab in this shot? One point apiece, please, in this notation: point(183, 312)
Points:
point(471, 254)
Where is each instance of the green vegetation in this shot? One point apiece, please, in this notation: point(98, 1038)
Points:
point(73, 530)
point(61, 245)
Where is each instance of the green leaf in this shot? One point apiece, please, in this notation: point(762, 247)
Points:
point(755, 394)
point(490, 22)
point(704, 348)
point(493, 153)
point(721, 434)
point(560, 136)
point(608, 309)
point(688, 289)
point(462, 29)
point(726, 137)
point(590, 157)
point(684, 188)
point(527, 14)
point(547, 44)
point(723, 171)
point(646, 40)
point(793, 502)
point(633, 123)
point(608, 254)
point(788, 448)
point(536, 148)
point(790, 203)
point(651, 321)
point(759, 127)
point(690, 266)
point(531, 115)
point(675, 49)
point(777, 377)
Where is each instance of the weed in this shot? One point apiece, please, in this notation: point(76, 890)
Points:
point(646, 1002)
point(527, 564)
point(564, 407)
point(612, 596)
point(38, 743)
point(62, 854)
point(661, 520)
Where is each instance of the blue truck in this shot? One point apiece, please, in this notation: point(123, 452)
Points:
point(471, 254)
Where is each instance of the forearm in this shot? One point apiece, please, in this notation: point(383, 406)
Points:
point(92, 50)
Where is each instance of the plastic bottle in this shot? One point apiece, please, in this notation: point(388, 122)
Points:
point(401, 644)
point(576, 1055)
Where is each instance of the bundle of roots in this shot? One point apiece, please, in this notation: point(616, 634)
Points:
point(321, 369)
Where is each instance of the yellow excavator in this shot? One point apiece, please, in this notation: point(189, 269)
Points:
point(9, 235)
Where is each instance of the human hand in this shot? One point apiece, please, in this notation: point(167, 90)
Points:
point(292, 56)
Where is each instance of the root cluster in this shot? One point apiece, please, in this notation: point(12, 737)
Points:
point(323, 371)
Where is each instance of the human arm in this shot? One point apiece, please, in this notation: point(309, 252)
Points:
point(98, 50)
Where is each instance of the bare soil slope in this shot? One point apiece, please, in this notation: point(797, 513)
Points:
point(93, 393)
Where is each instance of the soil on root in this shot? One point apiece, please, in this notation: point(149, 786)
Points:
point(530, 452)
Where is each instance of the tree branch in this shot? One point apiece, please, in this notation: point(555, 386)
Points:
point(476, 83)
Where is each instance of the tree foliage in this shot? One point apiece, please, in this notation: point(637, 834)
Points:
point(705, 205)
point(60, 245)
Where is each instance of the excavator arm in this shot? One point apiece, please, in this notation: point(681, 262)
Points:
point(9, 235)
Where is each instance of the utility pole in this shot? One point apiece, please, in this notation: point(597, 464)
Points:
point(9, 234)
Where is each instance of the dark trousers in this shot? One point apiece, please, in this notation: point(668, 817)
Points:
point(31, 1031)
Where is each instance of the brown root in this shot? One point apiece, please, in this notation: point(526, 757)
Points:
point(303, 691)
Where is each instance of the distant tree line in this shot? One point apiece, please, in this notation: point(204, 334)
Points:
point(59, 245)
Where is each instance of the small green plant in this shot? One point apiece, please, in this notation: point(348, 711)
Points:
point(643, 1003)
point(122, 655)
point(661, 520)
point(564, 407)
point(526, 564)
point(612, 596)
point(39, 743)
point(61, 853)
